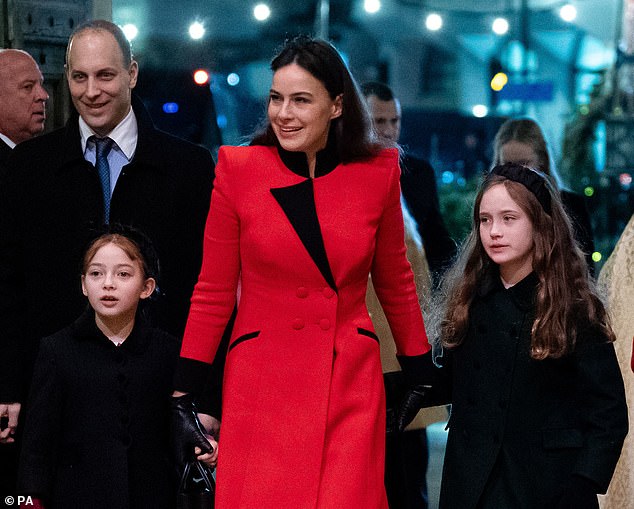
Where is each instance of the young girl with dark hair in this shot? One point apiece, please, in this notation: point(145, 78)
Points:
point(538, 408)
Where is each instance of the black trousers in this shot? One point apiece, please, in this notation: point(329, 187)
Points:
point(406, 458)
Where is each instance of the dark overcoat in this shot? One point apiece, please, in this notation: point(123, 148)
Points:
point(519, 427)
point(97, 426)
point(418, 185)
point(50, 203)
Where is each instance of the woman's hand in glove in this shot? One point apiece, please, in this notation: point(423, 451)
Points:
point(187, 431)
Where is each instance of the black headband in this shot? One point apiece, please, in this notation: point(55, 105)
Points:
point(532, 180)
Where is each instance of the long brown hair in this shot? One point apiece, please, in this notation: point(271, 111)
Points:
point(564, 292)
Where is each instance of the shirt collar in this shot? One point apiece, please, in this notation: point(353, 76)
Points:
point(8, 141)
point(125, 134)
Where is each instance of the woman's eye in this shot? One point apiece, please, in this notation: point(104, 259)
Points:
point(94, 273)
point(274, 98)
point(124, 274)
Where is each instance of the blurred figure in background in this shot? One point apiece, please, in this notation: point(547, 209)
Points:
point(418, 181)
point(22, 115)
point(522, 141)
point(407, 453)
point(22, 100)
point(616, 280)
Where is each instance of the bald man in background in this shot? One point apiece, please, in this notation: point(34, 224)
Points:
point(22, 101)
point(22, 115)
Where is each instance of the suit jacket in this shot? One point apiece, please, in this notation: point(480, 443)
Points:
point(303, 420)
point(97, 426)
point(418, 185)
point(520, 428)
point(50, 204)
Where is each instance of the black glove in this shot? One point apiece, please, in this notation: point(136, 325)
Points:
point(419, 374)
point(577, 493)
point(187, 431)
point(413, 401)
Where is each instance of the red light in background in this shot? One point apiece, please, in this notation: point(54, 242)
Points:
point(201, 77)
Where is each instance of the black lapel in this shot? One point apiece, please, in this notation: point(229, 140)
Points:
point(298, 203)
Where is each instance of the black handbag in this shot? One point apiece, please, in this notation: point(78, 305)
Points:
point(197, 487)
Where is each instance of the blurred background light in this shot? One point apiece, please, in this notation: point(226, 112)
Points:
point(130, 30)
point(201, 77)
point(261, 12)
point(499, 81)
point(372, 6)
point(568, 13)
point(233, 79)
point(480, 111)
point(170, 108)
point(500, 26)
point(196, 30)
point(433, 22)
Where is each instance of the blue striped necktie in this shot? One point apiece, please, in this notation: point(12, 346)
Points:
point(103, 146)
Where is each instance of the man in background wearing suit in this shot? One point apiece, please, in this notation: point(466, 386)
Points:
point(418, 181)
point(59, 191)
point(22, 115)
point(407, 453)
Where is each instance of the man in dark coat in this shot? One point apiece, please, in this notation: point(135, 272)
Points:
point(22, 114)
point(418, 181)
point(52, 201)
point(22, 101)
point(407, 453)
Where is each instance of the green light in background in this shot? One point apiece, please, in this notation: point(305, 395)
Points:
point(589, 191)
point(596, 256)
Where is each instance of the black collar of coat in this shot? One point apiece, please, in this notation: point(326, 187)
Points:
point(522, 293)
point(145, 150)
point(85, 329)
point(297, 162)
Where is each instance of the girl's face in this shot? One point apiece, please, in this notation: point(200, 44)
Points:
point(506, 232)
point(520, 153)
point(300, 110)
point(114, 283)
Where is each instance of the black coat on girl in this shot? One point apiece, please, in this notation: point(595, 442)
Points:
point(520, 428)
point(97, 426)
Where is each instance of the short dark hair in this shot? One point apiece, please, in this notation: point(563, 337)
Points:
point(380, 90)
point(353, 130)
point(102, 25)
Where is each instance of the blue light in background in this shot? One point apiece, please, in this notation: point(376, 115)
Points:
point(221, 120)
point(233, 79)
point(447, 177)
point(170, 108)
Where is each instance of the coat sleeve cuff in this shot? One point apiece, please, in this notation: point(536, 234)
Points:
point(191, 375)
point(417, 369)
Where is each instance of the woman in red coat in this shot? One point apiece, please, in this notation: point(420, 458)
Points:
point(297, 222)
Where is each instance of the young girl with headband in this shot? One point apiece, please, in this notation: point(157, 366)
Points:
point(538, 408)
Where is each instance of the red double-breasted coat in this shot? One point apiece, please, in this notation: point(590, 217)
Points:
point(303, 422)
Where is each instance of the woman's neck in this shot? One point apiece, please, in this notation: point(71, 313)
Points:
point(312, 164)
point(115, 328)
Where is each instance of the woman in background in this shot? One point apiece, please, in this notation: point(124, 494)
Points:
point(522, 141)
